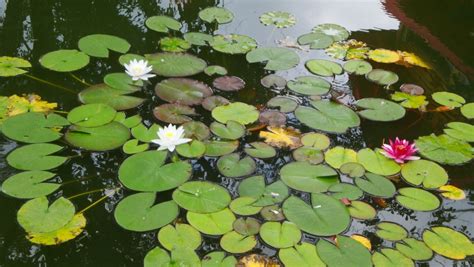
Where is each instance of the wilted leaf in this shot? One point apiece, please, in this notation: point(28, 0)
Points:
point(452, 192)
point(255, 260)
point(363, 240)
point(350, 49)
point(282, 137)
point(28, 103)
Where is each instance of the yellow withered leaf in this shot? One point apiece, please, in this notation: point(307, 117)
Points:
point(282, 137)
point(452, 192)
point(384, 55)
point(363, 240)
point(255, 260)
point(28, 103)
point(68, 232)
point(412, 59)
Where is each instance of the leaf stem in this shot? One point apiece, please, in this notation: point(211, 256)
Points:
point(50, 83)
point(86, 193)
point(107, 195)
point(79, 79)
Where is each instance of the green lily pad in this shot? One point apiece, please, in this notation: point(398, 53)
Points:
point(284, 104)
point(162, 24)
point(280, 235)
point(388, 257)
point(246, 226)
point(325, 216)
point(448, 242)
point(233, 43)
point(410, 101)
point(133, 147)
point(179, 257)
point(209, 103)
point(64, 60)
point(357, 67)
point(361, 210)
point(260, 150)
point(264, 194)
point(131, 121)
point(13, 66)
point(414, 249)
point(33, 127)
point(309, 85)
point(174, 44)
point(305, 177)
point(244, 206)
point(201, 197)
point(144, 134)
point(220, 148)
point(197, 38)
point(196, 130)
point(378, 109)
point(278, 19)
point(147, 171)
point(316, 40)
point(302, 255)
point(352, 169)
point(327, 116)
point(442, 149)
point(195, 149)
point(382, 77)
point(234, 242)
point(29, 184)
point(91, 115)
point(174, 113)
point(424, 172)
point(448, 99)
point(391, 231)
point(468, 110)
point(180, 236)
point(337, 32)
point(215, 69)
point(323, 67)
point(417, 199)
point(37, 216)
point(276, 58)
point(232, 130)
point(98, 45)
point(461, 131)
point(347, 252)
point(233, 166)
point(176, 64)
point(218, 259)
point(316, 140)
point(106, 137)
point(182, 91)
point(237, 111)
point(122, 81)
point(219, 14)
point(116, 98)
point(139, 213)
point(35, 157)
point(273, 81)
point(375, 162)
point(216, 223)
point(125, 59)
point(337, 156)
point(308, 154)
point(345, 190)
point(376, 185)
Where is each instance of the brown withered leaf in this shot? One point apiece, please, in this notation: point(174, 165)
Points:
point(282, 137)
point(255, 260)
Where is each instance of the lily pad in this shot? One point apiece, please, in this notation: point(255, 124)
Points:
point(375, 162)
point(327, 116)
point(216, 223)
point(305, 177)
point(424, 172)
point(337, 32)
point(201, 197)
point(309, 85)
point(122, 81)
point(357, 67)
point(220, 148)
point(391, 258)
point(247, 226)
point(308, 154)
point(273, 81)
point(345, 190)
point(272, 118)
point(384, 55)
point(209, 103)
point(382, 77)
point(196, 130)
point(219, 14)
point(33, 127)
point(106, 137)
point(228, 83)
point(468, 110)
point(197, 38)
point(218, 259)
point(323, 67)
point(284, 104)
point(182, 91)
point(147, 171)
point(179, 257)
point(325, 216)
point(232, 130)
point(414, 249)
point(378, 109)
point(163, 24)
point(244, 206)
point(116, 98)
point(195, 149)
point(461, 131)
point(215, 69)
point(29, 184)
point(91, 115)
point(376, 185)
point(176, 64)
point(125, 59)
point(412, 89)
point(417, 199)
point(139, 213)
point(233, 166)
point(352, 169)
point(410, 101)
point(98, 45)
point(13, 66)
point(260, 150)
point(180, 236)
point(35, 157)
point(37, 216)
point(264, 194)
point(174, 113)
point(280, 235)
point(361, 210)
point(276, 58)
point(316, 140)
point(64, 60)
point(133, 147)
point(68, 232)
point(391, 231)
point(442, 149)
point(448, 99)
point(278, 19)
point(144, 134)
point(272, 213)
point(448, 242)
point(347, 252)
point(316, 40)
point(234, 242)
point(237, 111)
point(302, 255)
point(337, 156)
point(174, 44)
point(452, 192)
point(233, 43)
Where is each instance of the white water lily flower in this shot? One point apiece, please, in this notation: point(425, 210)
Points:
point(139, 70)
point(169, 137)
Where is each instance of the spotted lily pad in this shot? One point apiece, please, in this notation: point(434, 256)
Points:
point(98, 45)
point(176, 64)
point(309, 85)
point(29, 184)
point(182, 91)
point(323, 67)
point(35, 157)
point(147, 171)
point(68, 232)
point(444, 149)
point(382, 77)
point(216, 223)
point(424, 172)
point(337, 32)
point(417, 199)
point(233, 43)
point(373, 161)
point(174, 44)
point(64, 60)
point(376, 185)
point(305, 177)
point(272, 213)
point(102, 138)
point(280, 235)
point(232, 130)
point(201, 197)
point(104, 94)
point(316, 40)
point(357, 66)
point(219, 14)
point(13, 66)
point(276, 58)
point(91, 115)
point(448, 242)
point(378, 109)
point(391, 231)
point(233, 166)
point(139, 213)
point(180, 236)
point(448, 99)
point(228, 83)
point(174, 113)
point(237, 111)
point(461, 131)
point(163, 24)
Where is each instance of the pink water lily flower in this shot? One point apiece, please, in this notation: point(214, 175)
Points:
point(400, 150)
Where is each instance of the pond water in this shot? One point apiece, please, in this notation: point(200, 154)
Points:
point(439, 33)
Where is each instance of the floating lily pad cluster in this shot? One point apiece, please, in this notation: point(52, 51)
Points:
point(319, 190)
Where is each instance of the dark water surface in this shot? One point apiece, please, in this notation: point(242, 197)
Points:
point(442, 33)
